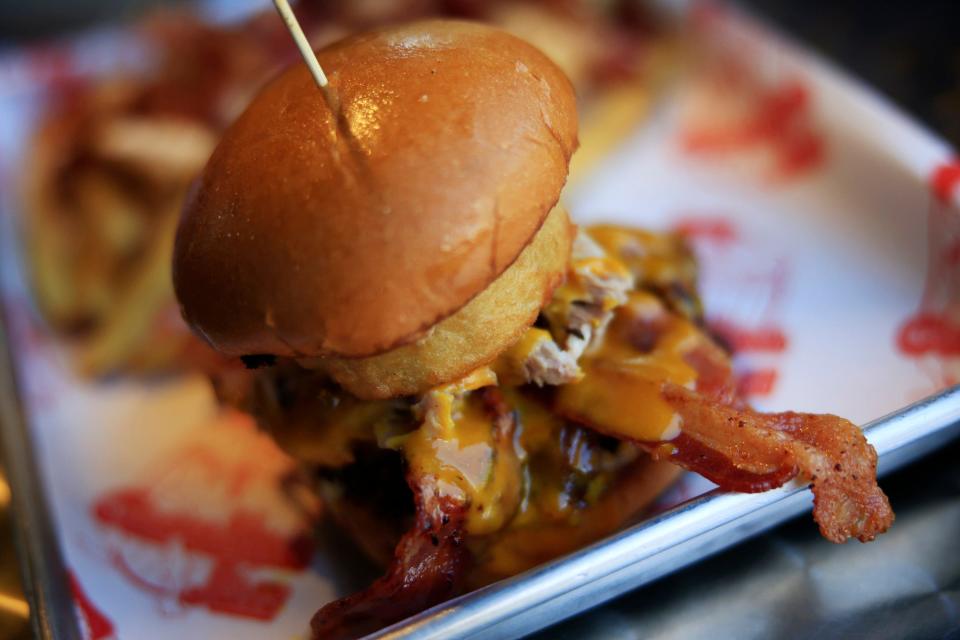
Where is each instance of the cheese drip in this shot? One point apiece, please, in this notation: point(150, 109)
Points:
point(625, 369)
point(625, 344)
point(469, 452)
point(609, 347)
point(522, 469)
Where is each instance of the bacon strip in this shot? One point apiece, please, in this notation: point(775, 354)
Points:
point(749, 452)
point(715, 466)
point(829, 451)
point(430, 561)
point(743, 450)
point(427, 568)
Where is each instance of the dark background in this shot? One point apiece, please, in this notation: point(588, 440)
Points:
point(908, 50)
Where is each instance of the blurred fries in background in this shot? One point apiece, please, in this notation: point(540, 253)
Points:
point(104, 183)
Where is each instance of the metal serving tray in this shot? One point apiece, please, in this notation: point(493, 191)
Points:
point(880, 181)
point(45, 581)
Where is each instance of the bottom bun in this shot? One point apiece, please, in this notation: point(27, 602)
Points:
point(474, 335)
point(517, 550)
point(511, 552)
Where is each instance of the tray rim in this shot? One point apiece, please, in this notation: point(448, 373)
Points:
point(43, 572)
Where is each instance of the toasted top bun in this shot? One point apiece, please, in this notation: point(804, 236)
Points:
point(308, 237)
point(474, 335)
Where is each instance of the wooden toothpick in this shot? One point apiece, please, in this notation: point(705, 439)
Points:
point(283, 7)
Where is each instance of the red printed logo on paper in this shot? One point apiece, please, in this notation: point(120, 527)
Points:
point(95, 625)
point(210, 527)
point(743, 110)
point(931, 335)
point(945, 181)
point(743, 285)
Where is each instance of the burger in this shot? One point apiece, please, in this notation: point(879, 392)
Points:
point(474, 384)
point(112, 157)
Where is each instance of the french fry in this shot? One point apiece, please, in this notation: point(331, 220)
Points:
point(51, 235)
point(165, 148)
point(126, 327)
point(116, 221)
point(103, 185)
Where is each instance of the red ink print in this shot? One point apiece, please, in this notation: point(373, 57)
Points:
point(800, 152)
point(196, 530)
point(743, 285)
point(243, 538)
point(757, 339)
point(931, 335)
point(945, 180)
point(759, 382)
point(777, 120)
point(95, 623)
point(771, 117)
point(738, 108)
point(229, 591)
point(716, 230)
point(927, 333)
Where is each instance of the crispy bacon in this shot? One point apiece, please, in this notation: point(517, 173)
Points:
point(713, 464)
point(427, 568)
point(765, 450)
point(747, 451)
point(743, 450)
point(430, 562)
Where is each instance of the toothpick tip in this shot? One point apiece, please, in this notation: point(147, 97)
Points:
point(293, 26)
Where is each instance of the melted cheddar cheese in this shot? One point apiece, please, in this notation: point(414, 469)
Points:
point(473, 461)
point(658, 261)
point(623, 376)
point(576, 287)
point(527, 476)
point(546, 470)
point(534, 468)
point(653, 258)
point(509, 364)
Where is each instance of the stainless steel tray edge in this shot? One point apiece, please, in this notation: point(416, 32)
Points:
point(677, 538)
point(42, 570)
